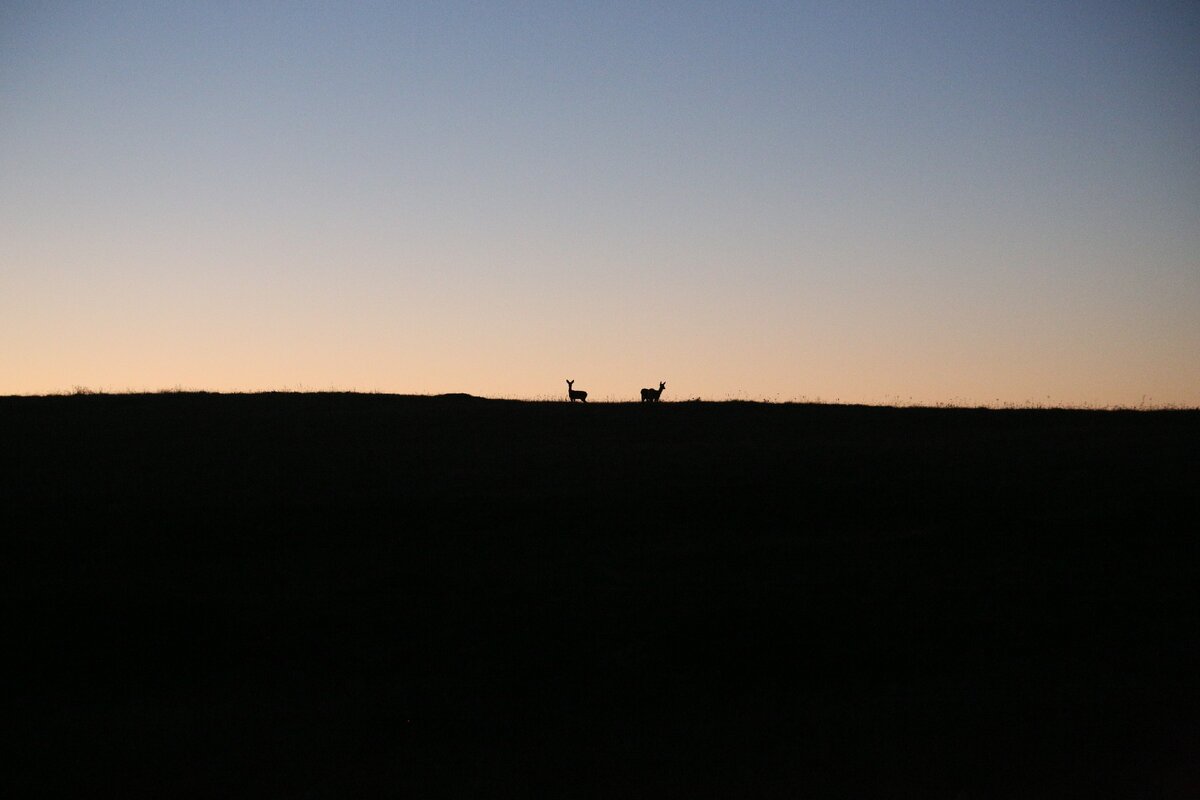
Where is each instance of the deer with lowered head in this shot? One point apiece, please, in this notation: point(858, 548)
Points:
point(575, 394)
point(652, 395)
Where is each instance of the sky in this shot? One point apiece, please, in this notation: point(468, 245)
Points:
point(877, 202)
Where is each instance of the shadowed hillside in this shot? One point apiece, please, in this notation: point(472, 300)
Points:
point(319, 593)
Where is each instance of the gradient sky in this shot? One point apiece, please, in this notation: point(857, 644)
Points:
point(984, 202)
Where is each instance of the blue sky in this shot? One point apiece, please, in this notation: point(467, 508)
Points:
point(971, 202)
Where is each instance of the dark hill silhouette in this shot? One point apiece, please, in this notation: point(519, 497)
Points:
point(322, 594)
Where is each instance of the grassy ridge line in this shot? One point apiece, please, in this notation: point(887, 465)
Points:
point(1029, 405)
point(315, 593)
point(842, 466)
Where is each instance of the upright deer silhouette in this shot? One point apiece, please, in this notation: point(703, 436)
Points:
point(575, 394)
point(652, 395)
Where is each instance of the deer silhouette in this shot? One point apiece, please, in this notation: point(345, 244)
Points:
point(652, 395)
point(575, 394)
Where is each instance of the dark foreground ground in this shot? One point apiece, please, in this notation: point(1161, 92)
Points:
point(340, 595)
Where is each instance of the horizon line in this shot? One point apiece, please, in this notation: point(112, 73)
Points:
point(957, 403)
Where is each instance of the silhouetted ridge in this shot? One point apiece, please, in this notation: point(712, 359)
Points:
point(368, 594)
